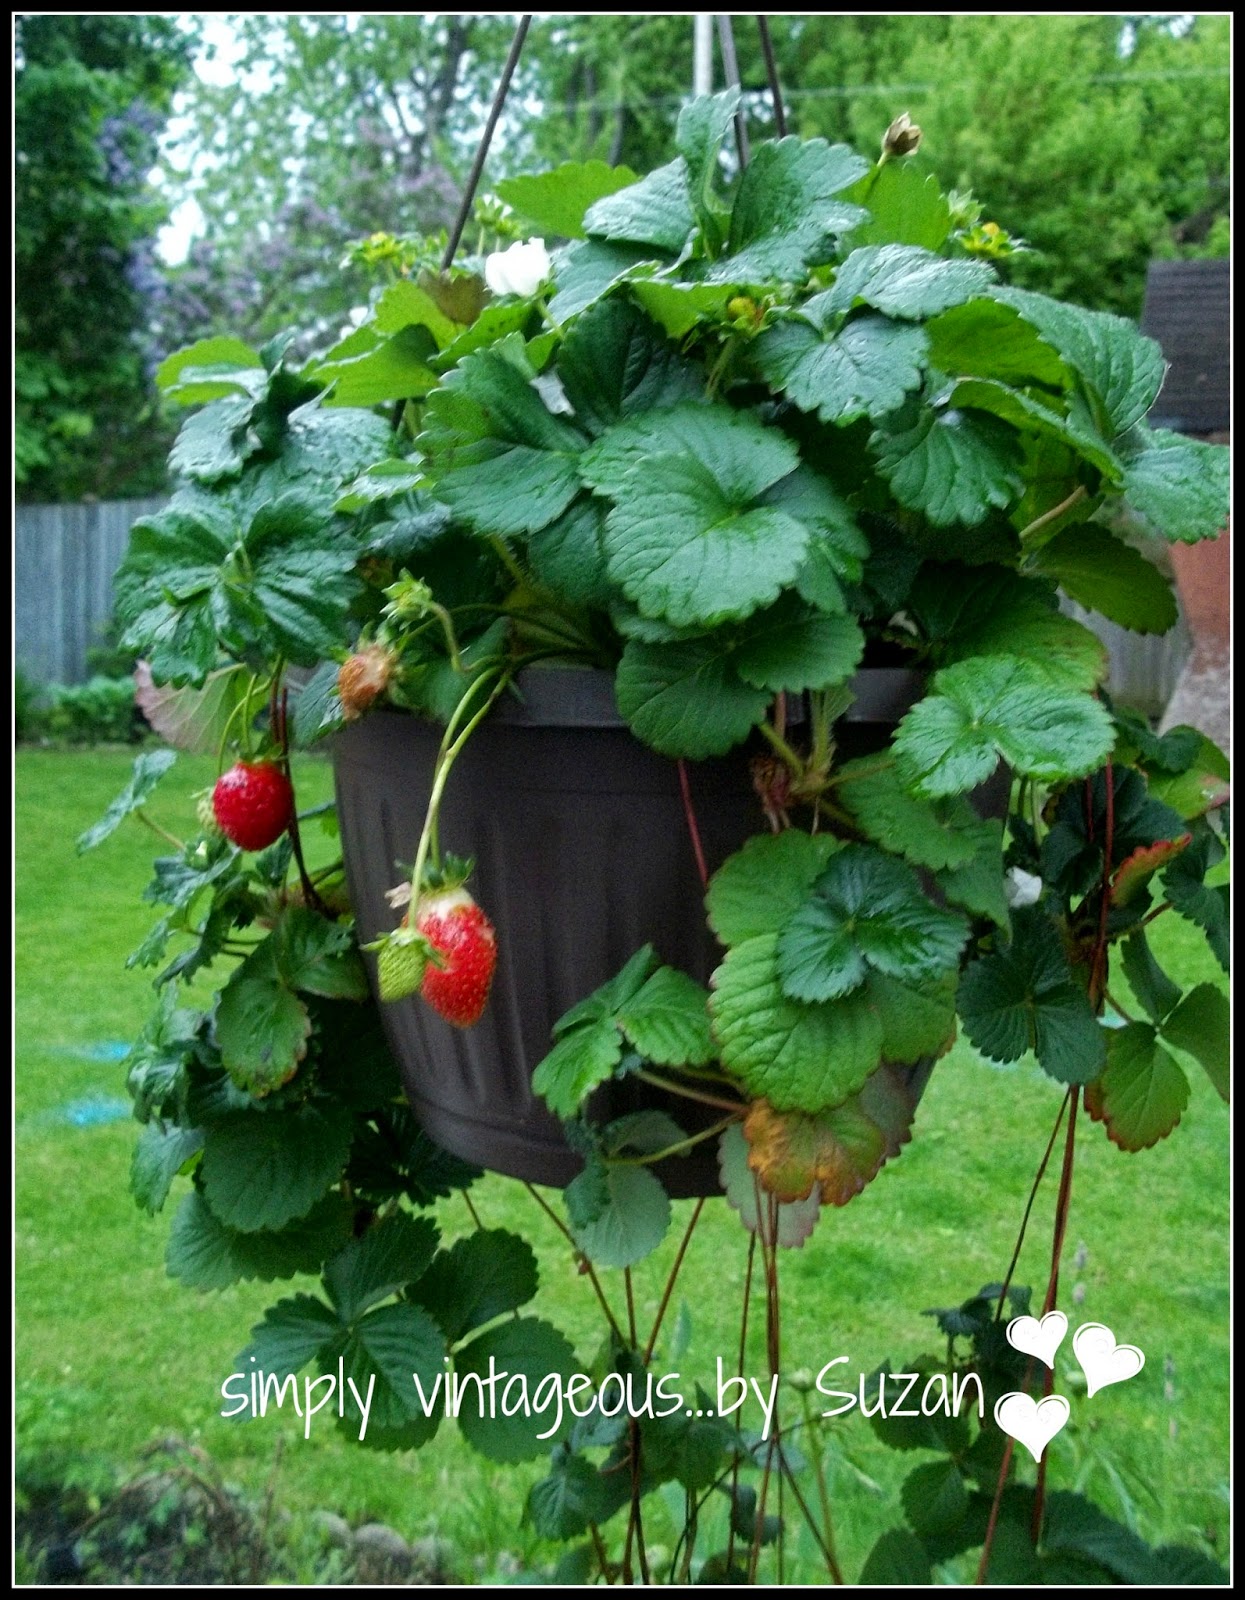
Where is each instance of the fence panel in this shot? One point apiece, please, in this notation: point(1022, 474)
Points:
point(64, 558)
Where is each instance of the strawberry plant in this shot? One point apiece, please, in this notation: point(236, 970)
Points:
point(734, 445)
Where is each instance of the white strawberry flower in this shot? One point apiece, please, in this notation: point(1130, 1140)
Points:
point(520, 270)
point(1021, 888)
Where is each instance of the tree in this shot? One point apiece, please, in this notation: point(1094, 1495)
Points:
point(1108, 136)
point(1083, 126)
point(91, 97)
point(345, 126)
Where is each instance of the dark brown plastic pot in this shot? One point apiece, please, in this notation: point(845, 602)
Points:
point(582, 855)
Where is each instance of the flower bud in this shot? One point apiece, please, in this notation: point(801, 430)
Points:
point(520, 270)
point(902, 137)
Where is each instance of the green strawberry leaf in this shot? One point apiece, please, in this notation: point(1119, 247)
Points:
point(866, 368)
point(1151, 985)
point(1122, 368)
point(1110, 577)
point(903, 280)
point(992, 706)
point(937, 834)
point(678, 307)
point(384, 1352)
point(1180, 486)
point(301, 579)
point(367, 369)
point(865, 912)
point(1199, 902)
point(978, 886)
point(1142, 1094)
point(535, 1355)
point(289, 1335)
point(203, 1253)
point(618, 1213)
point(613, 994)
point(760, 887)
point(905, 207)
point(160, 1154)
point(262, 1170)
point(1030, 415)
point(317, 956)
point(568, 557)
point(1023, 997)
point(740, 454)
point(573, 1497)
point(483, 1276)
point(687, 699)
point(1201, 1024)
point(689, 545)
point(614, 363)
point(986, 339)
point(261, 1024)
point(837, 548)
point(209, 369)
point(557, 201)
point(213, 444)
point(699, 133)
point(935, 1498)
point(392, 1253)
point(149, 768)
point(952, 466)
point(799, 1057)
point(655, 210)
point(918, 1018)
point(667, 1021)
point(584, 1057)
point(586, 270)
point(791, 647)
point(786, 210)
point(497, 456)
point(897, 1557)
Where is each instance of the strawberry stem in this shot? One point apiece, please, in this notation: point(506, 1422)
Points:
point(452, 743)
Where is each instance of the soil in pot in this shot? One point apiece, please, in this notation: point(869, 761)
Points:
point(582, 854)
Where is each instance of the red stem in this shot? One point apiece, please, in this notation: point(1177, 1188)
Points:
point(692, 828)
point(1024, 1221)
point(1052, 1288)
point(674, 1273)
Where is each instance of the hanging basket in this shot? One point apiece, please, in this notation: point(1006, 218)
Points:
point(582, 854)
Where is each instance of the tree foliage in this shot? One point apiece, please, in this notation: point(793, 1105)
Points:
point(1108, 137)
point(91, 96)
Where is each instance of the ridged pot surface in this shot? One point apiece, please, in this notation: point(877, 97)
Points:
point(582, 855)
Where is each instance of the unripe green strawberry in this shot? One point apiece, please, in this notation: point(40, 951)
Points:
point(400, 964)
point(206, 815)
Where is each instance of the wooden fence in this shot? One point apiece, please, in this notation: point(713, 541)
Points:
point(64, 558)
point(66, 555)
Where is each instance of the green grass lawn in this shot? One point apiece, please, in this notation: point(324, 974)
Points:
point(111, 1354)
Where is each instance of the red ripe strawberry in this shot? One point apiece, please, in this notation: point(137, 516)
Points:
point(253, 803)
point(464, 940)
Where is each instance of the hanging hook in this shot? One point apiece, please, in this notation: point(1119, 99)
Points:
point(771, 72)
point(730, 69)
point(486, 138)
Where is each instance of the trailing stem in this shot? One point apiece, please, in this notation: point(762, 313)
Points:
point(279, 716)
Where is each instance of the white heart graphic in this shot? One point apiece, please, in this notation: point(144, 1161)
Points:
point(1032, 1423)
point(1102, 1360)
point(1040, 1339)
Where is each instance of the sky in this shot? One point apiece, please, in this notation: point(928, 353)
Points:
point(216, 64)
